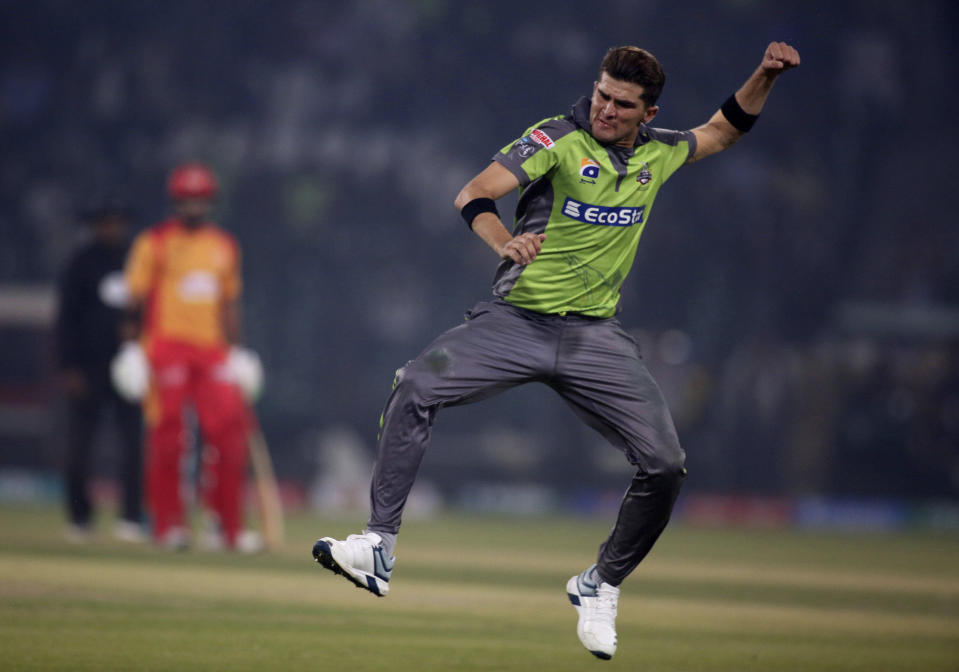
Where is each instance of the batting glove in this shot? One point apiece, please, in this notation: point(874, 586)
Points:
point(130, 371)
point(246, 370)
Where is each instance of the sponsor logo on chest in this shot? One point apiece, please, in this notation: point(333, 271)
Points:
point(588, 170)
point(603, 215)
point(199, 287)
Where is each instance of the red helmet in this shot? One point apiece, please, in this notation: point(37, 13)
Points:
point(191, 180)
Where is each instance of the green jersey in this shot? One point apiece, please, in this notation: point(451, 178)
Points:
point(592, 201)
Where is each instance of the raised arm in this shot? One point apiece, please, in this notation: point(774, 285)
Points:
point(493, 183)
point(721, 131)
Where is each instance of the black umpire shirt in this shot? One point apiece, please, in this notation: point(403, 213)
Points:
point(92, 298)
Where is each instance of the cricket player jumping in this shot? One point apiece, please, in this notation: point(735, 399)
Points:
point(588, 180)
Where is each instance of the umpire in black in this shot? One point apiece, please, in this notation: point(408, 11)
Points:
point(92, 300)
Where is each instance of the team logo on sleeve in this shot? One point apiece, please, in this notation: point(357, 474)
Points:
point(543, 139)
point(588, 170)
point(645, 175)
point(524, 147)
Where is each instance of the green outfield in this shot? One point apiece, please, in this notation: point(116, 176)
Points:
point(481, 594)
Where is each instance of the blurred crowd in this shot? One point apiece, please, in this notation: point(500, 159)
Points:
point(796, 297)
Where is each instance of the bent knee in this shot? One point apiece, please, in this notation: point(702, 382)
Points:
point(669, 461)
point(414, 381)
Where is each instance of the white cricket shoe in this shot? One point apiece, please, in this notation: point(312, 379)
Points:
point(249, 542)
point(175, 539)
point(361, 559)
point(596, 606)
point(130, 532)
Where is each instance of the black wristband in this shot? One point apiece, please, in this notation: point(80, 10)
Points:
point(477, 206)
point(737, 116)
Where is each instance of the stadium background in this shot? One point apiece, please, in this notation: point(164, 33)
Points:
point(797, 298)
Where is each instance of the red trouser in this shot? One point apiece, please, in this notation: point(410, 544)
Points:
point(185, 373)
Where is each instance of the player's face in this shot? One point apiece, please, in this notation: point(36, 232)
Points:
point(194, 211)
point(617, 111)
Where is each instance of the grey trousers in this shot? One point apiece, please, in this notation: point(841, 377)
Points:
point(593, 364)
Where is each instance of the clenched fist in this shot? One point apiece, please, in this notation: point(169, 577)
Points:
point(779, 57)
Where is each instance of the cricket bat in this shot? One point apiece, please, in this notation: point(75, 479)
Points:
point(267, 491)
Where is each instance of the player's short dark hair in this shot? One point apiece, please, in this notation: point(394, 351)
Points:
point(638, 66)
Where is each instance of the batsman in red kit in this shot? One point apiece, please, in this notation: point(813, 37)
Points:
point(184, 278)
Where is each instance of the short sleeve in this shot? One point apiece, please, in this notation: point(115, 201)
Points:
point(681, 146)
point(232, 282)
point(140, 266)
point(534, 154)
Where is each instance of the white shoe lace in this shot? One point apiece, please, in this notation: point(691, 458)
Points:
point(607, 597)
point(361, 550)
point(368, 538)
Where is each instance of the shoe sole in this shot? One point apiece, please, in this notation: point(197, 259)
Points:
point(323, 554)
point(575, 600)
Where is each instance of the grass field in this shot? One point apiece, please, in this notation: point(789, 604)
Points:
point(480, 594)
